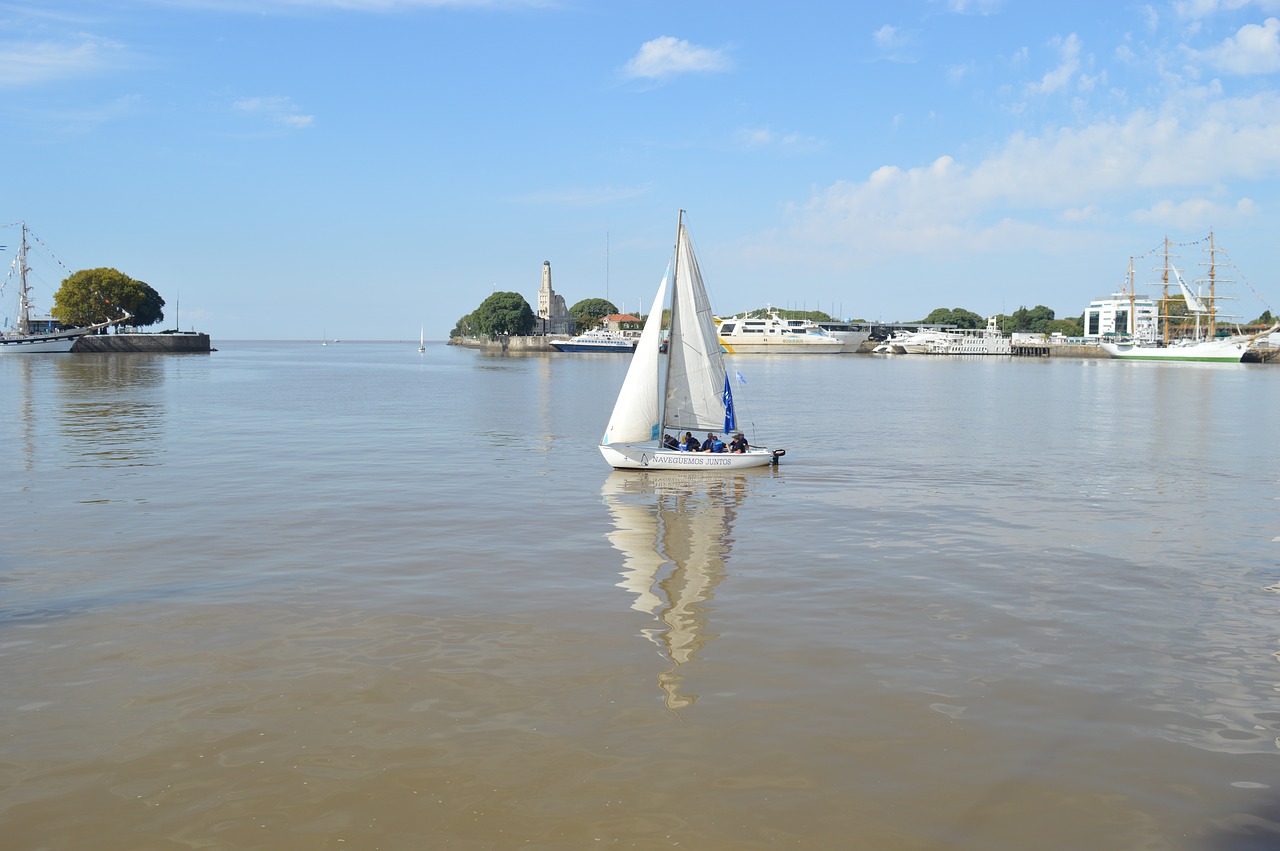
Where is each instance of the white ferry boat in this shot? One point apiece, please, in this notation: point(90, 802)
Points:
point(749, 335)
point(597, 340)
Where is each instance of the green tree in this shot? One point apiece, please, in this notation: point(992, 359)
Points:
point(589, 311)
point(99, 295)
point(462, 328)
point(811, 315)
point(503, 313)
point(1073, 327)
point(1265, 319)
point(956, 316)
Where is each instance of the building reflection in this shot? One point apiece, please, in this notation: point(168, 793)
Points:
point(675, 533)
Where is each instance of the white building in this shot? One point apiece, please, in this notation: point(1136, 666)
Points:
point(1111, 315)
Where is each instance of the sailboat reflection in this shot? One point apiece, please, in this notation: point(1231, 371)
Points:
point(675, 534)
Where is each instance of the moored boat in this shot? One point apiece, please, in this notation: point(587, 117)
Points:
point(747, 335)
point(596, 340)
point(22, 339)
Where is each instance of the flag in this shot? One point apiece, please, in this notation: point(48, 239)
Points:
point(730, 421)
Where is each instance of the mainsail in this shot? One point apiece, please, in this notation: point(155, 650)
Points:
point(695, 392)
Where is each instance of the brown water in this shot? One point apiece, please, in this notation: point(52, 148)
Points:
point(295, 597)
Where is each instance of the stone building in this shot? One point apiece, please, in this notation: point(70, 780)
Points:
point(553, 315)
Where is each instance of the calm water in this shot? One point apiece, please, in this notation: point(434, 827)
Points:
point(287, 596)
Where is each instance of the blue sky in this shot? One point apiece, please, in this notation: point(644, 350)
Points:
point(279, 169)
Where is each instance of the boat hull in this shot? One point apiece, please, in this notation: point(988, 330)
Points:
point(1212, 352)
point(647, 456)
point(40, 343)
point(781, 347)
point(593, 347)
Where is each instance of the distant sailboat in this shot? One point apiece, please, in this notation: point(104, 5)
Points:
point(422, 340)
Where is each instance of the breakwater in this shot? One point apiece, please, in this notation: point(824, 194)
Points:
point(182, 343)
point(507, 343)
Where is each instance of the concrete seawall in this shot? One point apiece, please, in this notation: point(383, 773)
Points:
point(507, 344)
point(183, 343)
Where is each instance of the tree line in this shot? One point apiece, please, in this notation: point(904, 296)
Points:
point(507, 313)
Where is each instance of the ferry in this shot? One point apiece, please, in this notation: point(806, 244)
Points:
point(597, 340)
point(746, 335)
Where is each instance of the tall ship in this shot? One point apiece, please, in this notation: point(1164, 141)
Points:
point(23, 338)
point(749, 335)
point(1191, 324)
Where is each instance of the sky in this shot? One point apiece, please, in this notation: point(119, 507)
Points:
point(358, 169)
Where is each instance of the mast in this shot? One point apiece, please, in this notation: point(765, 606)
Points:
point(1213, 308)
point(24, 301)
point(666, 375)
point(1133, 322)
point(1164, 298)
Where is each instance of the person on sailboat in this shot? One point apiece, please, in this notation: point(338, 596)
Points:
point(739, 444)
point(689, 444)
point(670, 442)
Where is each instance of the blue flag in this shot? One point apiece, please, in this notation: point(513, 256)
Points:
point(730, 421)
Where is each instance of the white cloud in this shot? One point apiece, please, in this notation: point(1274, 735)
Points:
point(278, 110)
point(667, 56)
point(765, 137)
point(1195, 212)
point(1254, 50)
point(1197, 9)
point(973, 7)
point(1068, 65)
point(1072, 174)
point(24, 64)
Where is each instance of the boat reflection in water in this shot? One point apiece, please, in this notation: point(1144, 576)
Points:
point(675, 533)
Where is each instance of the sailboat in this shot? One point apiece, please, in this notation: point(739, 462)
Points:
point(691, 395)
point(22, 339)
point(422, 339)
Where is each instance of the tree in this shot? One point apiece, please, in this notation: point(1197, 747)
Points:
point(589, 311)
point(462, 328)
point(1264, 319)
point(100, 295)
point(956, 316)
point(502, 313)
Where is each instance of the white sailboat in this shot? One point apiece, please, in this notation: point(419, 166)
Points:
point(691, 395)
point(21, 339)
point(422, 339)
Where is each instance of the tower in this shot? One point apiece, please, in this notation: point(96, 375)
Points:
point(553, 316)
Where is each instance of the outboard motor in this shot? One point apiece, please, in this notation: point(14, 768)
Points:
point(777, 453)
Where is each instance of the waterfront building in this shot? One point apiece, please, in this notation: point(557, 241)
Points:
point(1121, 314)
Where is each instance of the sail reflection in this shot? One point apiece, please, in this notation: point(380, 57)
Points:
point(675, 534)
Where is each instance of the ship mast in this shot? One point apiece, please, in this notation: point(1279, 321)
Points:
point(1164, 296)
point(24, 302)
point(1133, 322)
